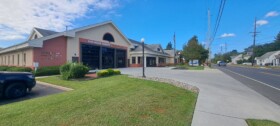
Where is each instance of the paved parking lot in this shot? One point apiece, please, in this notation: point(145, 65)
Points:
point(38, 91)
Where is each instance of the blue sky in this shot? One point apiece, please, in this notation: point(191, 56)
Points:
point(157, 20)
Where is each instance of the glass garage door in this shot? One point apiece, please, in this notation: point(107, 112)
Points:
point(121, 56)
point(108, 56)
point(90, 55)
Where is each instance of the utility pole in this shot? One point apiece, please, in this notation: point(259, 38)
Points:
point(254, 41)
point(225, 47)
point(174, 38)
point(221, 49)
point(209, 37)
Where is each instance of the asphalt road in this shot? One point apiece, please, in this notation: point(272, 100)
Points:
point(262, 80)
point(38, 91)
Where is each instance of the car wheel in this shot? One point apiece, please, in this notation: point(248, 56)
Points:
point(15, 90)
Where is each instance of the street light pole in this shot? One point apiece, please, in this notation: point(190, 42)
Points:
point(143, 58)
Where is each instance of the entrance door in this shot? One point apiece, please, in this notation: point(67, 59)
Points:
point(108, 58)
point(121, 56)
point(151, 62)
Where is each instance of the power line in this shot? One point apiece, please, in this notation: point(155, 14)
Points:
point(218, 20)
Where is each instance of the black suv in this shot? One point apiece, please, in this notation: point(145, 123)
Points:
point(16, 84)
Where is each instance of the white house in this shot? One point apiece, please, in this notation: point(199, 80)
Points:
point(234, 59)
point(276, 61)
point(269, 58)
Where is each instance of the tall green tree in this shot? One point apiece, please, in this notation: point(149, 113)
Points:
point(169, 46)
point(193, 50)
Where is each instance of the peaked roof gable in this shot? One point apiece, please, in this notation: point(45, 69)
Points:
point(45, 32)
point(268, 54)
point(138, 47)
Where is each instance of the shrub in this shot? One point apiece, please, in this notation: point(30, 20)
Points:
point(65, 71)
point(19, 69)
point(3, 68)
point(45, 71)
point(102, 73)
point(78, 71)
point(239, 61)
point(108, 72)
point(117, 72)
point(73, 70)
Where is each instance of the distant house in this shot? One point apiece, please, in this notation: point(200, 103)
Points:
point(154, 55)
point(269, 58)
point(236, 58)
point(276, 61)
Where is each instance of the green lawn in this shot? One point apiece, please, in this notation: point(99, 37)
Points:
point(255, 122)
point(187, 67)
point(117, 100)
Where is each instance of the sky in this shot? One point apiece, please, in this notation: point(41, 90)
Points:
point(154, 20)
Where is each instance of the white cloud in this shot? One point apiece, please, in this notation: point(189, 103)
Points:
point(272, 14)
point(261, 22)
point(18, 17)
point(225, 35)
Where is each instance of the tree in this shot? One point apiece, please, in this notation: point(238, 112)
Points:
point(204, 54)
point(169, 46)
point(194, 50)
point(225, 57)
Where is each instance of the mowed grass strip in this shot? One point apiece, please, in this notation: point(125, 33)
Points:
point(256, 122)
point(117, 100)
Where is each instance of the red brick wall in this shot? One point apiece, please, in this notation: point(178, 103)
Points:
point(135, 65)
point(53, 52)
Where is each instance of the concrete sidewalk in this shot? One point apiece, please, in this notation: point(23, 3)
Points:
point(222, 100)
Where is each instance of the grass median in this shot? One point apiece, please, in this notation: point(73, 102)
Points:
point(117, 100)
point(188, 67)
point(255, 122)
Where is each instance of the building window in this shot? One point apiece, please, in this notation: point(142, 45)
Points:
point(13, 60)
point(158, 49)
point(18, 59)
point(139, 60)
point(24, 58)
point(35, 36)
point(8, 60)
point(133, 60)
point(108, 37)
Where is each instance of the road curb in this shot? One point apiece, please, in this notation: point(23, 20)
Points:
point(55, 86)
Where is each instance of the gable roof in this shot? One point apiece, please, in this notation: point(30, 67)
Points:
point(45, 32)
point(152, 47)
point(267, 55)
point(170, 52)
point(71, 33)
point(236, 56)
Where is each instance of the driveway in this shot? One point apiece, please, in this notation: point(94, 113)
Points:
point(222, 101)
point(38, 91)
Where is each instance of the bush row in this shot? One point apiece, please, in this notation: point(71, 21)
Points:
point(15, 69)
point(42, 71)
point(108, 72)
point(73, 70)
point(46, 71)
